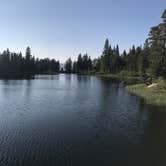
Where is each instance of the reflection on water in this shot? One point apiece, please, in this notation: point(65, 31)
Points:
point(70, 120)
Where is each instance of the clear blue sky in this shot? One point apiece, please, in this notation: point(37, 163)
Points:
point(64, 28)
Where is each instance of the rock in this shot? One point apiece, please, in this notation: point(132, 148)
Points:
point(154, 85)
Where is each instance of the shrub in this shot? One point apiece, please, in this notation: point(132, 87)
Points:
point(161, 83)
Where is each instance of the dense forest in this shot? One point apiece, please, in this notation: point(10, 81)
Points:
point(16, 65)
point(82, 65)
point(149, 58)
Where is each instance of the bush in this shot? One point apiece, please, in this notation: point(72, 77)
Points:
point(161, 83)
point(129, 74)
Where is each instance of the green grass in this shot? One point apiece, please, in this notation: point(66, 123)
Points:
point(154, 96)
point(128, 79)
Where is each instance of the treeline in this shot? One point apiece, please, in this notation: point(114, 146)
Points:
point(147, 59)
point(82, 65)
point(17, 65)
point(142, 60)
point(112, 61)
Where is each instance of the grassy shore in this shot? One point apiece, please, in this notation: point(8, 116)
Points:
point(127, 79)
point(153, 95)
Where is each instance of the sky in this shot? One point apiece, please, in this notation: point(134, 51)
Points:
point(64, 28)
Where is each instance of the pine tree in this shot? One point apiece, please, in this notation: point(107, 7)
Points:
point(68, 65)
point(106, 57)
point(145, 58)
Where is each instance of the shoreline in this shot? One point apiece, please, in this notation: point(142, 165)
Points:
point(128, 80)
point(134, 85)
point(151, 96)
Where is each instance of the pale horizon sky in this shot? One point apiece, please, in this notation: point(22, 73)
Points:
point(64, 28)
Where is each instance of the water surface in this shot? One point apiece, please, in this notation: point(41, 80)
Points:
point(70, 120)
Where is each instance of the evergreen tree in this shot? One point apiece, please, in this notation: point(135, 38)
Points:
point(106, 57)
point(79, 63)
point(68, 65)
point(145, 58)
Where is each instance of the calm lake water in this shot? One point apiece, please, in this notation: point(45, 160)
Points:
point(70, 120)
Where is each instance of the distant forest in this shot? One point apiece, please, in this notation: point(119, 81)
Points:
point(16, 65)
point(149, 58)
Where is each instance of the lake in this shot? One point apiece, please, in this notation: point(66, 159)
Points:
point(70, 120)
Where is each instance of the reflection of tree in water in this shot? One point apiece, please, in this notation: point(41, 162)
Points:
point(103, 116)
point(68, 77)
point(146, 143)
point(154, 139)
point(28, 88)
point(11, 85)
point(83, 78)
point(102, 120)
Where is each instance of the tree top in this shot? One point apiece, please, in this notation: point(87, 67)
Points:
point(164, 14)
